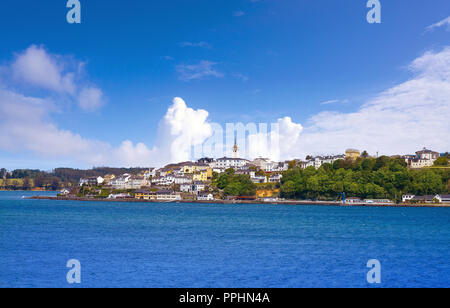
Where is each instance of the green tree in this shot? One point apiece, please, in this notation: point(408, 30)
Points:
point(441, 162)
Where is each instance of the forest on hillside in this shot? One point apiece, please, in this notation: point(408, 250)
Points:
point(382, 177)
point(26, 179)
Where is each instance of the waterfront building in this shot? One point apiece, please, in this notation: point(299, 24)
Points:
point(145, 195)
point(167, 195)
point(445, 198)
point(353, 200)
point(378, 201)
point(407, 197)
point(119, 196)
point(270, 199)
point(205, 197)
point(426, 199)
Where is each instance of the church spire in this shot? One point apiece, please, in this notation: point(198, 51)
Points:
point(235, 149)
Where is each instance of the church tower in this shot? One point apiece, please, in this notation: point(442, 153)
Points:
point(235, 149)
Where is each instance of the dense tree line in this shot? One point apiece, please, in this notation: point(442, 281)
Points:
point(234, 184)
point(383, 177)
point(25, 179)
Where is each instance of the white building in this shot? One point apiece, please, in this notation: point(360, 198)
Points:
point(164, 180)
point(227, 163)
point(120, 182)
point(407, 197)
point(119, 196)
point(91, 181)
point(422, 159)
point(205, 197)
point(275, 178)
point(137, 182)
point(259, 179)
point(195, 187)
point(182, 180)
point(167, 195)
point(318, 161)
point(150, 173)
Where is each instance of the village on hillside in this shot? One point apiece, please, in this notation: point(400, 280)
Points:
point(258, 180)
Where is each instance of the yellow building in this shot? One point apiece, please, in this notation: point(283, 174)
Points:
point(352, 154)
point(200, 173)
point(201, 176)
point(145, 195)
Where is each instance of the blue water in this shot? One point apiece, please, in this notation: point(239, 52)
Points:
point(191, 245)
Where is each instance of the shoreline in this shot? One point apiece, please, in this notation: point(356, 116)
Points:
point(292, 202)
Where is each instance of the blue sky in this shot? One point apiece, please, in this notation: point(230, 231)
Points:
point(270, 59)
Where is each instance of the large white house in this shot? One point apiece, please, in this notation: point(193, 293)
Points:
point(226, 163)
point(137, 182)
point(120, 182)
point(318, 161)
point(164, 180)
point(422, 159)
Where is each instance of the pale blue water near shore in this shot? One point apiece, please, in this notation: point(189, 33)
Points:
point(191, 245)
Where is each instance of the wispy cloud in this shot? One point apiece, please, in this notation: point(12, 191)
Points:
point(196, 44)
point(442, 23)
point(238, 13)
point(203, 69)
point(335, 101)
point(241, 77)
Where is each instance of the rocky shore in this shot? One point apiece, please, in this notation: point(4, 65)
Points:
point(290, 202)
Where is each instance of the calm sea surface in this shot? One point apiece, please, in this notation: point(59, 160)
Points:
point(191, 245)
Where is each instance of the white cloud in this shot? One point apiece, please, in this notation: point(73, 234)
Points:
point(27, 127)
point(90, 98)
point(181, 129)
point(335, 101)
point(238, 13)
point(203, 69)
point(400, 120)
point(58, 74)
point(442, 23)
point(38, 68)
point(279, 143)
